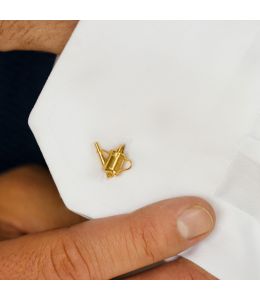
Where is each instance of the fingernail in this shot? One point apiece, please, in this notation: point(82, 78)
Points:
point(194, 221)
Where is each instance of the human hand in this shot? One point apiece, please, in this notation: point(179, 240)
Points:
point(97, 249)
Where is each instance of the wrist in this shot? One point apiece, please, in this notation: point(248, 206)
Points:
point(49, 36)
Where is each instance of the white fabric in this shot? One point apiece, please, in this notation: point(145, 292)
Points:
point(184, 98)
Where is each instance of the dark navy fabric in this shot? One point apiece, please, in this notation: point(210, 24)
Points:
point(22, 77)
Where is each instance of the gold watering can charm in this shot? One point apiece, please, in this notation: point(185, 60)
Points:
point(114, 161)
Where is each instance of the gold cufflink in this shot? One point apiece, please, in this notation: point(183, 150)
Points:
point(114, 162)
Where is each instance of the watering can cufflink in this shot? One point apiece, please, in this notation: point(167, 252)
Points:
point(115, 161)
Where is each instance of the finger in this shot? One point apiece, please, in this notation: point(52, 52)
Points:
point(109, 247)
point(30, 202)
point(180, 269)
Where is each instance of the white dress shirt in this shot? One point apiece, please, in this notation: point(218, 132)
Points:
point(183, 96)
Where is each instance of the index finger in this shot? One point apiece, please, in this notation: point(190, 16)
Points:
point(106, 248)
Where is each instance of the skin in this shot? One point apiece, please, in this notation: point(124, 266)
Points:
point(42, 239)
point(49, 36)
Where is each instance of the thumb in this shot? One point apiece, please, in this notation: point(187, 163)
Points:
point(109, 247)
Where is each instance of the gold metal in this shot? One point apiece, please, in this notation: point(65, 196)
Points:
point(114, 161)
